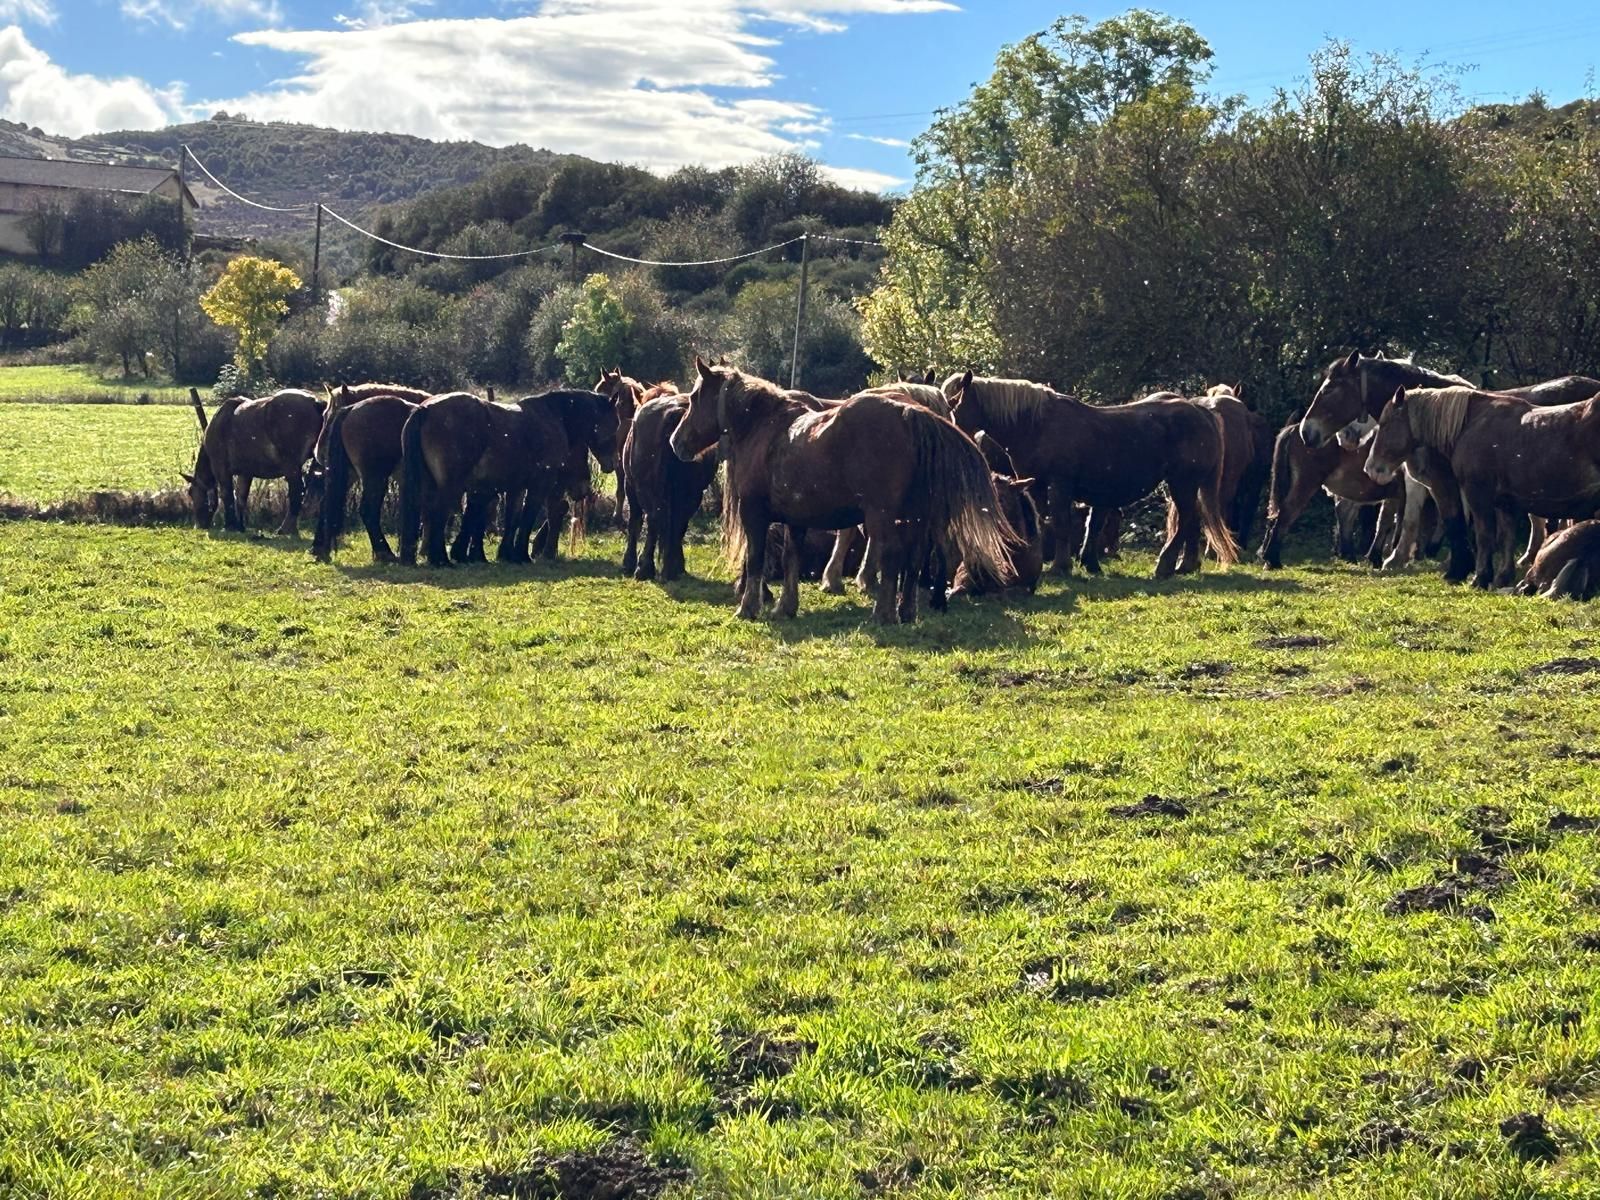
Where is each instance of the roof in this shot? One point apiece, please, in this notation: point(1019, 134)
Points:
point(83, 176)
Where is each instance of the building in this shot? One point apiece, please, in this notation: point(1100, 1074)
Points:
point(29, 184)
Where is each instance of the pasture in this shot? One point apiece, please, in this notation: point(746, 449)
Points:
point(48, 452)
point(354, 881)
point(83, 383)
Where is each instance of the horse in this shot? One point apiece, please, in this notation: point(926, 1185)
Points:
point(1021, 514)
point(909, 476)
point(268, 438)
point(458, 444)
point(1508, 456)
point(1567, 566)
point(664, 492)
point(1110, 458)
point(928, 395)
point(626, 395)
point(1248, 443)
point(1355, 388)
point(364, 435)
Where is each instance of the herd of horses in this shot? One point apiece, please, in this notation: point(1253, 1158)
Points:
point(971, 485)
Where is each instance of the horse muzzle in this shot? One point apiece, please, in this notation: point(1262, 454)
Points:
point(1381, 473)
point(1312, 434)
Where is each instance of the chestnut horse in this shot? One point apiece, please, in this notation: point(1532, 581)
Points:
point(1109, 458)
point(1356, 388)
point(458, 444)
point(1021, 514)
point(1568, 565)
point(910, 477)
point(664, 492)
point(1247, 445)
point(269, 438)
point(1509, 458)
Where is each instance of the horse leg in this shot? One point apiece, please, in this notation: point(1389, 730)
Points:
point(870, 573)
point(676, 515)
point(1069, 535)
point(794, 544)
point(1388, 523)
point(441, 503)
point(1301, 490)
point(652, 539)
point(1047, 530)
point(1093, 533)
point(1111, 538)
point(1184, 512)
point(915, 542)
point(833, 573)
point(556, 509)
point(1538, 531)
point(372, 494)
point(1510, 522)
point(473, 519)
point(1405, 544)
point(622, 494)
point(295, 480)
point(1190, 561)
point(891, 555)
point(752, 582)
point(241, 501)
point(634, 523)
point(1485, 527)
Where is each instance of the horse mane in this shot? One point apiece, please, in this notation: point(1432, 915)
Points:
point(657, 391)
point(1403, 372)
point(1437, 415)
point(366, 391)
point(1011, 399)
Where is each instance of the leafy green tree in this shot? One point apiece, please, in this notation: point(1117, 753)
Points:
point(594, 337)
point(251, 298)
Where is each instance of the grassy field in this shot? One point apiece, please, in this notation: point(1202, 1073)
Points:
point(81, 383)
point(50, 451)
point(334, 881)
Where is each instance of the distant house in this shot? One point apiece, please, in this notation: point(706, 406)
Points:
point(28, 185)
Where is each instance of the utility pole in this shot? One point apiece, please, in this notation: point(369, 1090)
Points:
point(183, 190)
point(316, 260)
point(800, 309)
point(574, 242)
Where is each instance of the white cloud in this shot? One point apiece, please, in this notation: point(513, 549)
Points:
point(36, 91)
point(42, 11)
point(877, 141)
point(180, 14)
point(374, 14)
point(867, 181)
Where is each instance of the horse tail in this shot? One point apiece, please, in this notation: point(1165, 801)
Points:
point(413, 469)
point(1282, 470)
point(1213, 519)
point(335, 485)
point(963, 507)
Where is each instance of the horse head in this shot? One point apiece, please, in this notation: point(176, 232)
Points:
point(1340, 400)
point(965, 408)
point(1393, 441)
point(715, 388)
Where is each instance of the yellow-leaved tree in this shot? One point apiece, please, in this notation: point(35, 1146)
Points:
point(251, 298)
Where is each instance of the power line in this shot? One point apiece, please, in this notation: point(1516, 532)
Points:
point(367, 233)
point(705, 262)
point(204, 170)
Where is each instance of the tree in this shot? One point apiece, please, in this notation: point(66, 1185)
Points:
point(251, 298)
point(594, 337)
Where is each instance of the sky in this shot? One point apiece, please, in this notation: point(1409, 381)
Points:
point(660, 83)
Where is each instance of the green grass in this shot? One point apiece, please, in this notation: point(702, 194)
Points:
point(50, 451)
point(349, 882)
point(81, 383)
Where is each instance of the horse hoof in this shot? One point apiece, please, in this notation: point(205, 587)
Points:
point(833, 587)
point(644, 576)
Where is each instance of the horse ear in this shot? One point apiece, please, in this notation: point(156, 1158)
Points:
point(1400, 397)
point(931, 378)
point(189, 479)
point(700, 366)
point(1354, 361)
point(1025, 483)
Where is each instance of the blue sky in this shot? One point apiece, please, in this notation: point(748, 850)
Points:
point(660, 82)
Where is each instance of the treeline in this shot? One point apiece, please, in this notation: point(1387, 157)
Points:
point(82, 231)
point(1092, 216)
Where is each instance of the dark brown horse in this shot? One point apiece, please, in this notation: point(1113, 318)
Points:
point(363, 435)
point(269, 438)
point(1568, 565)
point(1508, 456)
point(1109, 458)
point(1299, 472)
point(1247, 446)
point(1356, 389)
point(664, 492)
point(908, 476)
point(458, 445)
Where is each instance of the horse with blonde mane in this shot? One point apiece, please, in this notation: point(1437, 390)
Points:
point(909, 477)
point(1508, 457)
point(1109, 458)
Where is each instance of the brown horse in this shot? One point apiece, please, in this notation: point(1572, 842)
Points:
point(1021, 514)
point(1355, 389)
point(664, 492)
point(910, 477)
point(458, 445)
point(1110, 458)
point(1299, 472)
point(1568, 566)
point(269, 438)
point(1248, 439)
point(626, 395)
point(364, 435)
point(1509, 458)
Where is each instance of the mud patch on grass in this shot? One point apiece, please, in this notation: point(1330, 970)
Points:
point(619, 1170)
point(757, 1056)
point(1565, 822)
point(1381, 1137)
point(1459, 893)
point(360, 977)
point(1565, 666)
point(1057, 980)
point(993, 895)
point(1294, 641)
point(1150, 806)
point(1530, 1138)
point(892, 1176)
